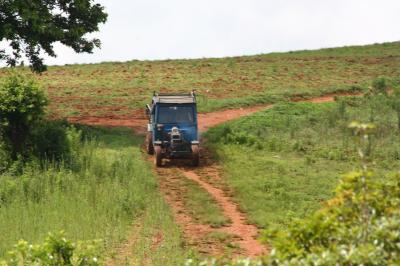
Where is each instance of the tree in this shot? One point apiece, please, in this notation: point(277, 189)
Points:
point(32, 27)
point(22, 104)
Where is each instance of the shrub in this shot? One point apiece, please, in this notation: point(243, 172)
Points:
point(4, 157)
point(359, 226)
point(339, 234)
point(394, 101)
point(22, 104)
point(380, 85)
point(56, 250)
point(51, 140)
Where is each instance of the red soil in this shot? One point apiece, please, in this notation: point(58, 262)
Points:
point(247, 233)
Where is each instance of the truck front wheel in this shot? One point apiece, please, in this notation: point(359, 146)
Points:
point(157, 156)
point(149, 144)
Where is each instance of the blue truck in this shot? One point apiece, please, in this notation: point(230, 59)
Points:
point(172, 131)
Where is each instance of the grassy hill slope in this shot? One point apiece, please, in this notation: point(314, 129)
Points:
point(282, 163)
point(110, 89)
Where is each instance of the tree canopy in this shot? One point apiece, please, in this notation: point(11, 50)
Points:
point(31, 27)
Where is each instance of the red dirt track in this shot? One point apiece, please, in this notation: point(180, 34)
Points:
point(247, 232)
point(244, 234)
point(138, 120)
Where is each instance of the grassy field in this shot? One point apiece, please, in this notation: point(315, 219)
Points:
point(110, 184)
point(116, 89)
point(282, 163)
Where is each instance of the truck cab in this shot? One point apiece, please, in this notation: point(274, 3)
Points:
point(172, 131)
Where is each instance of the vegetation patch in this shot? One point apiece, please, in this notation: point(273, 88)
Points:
point(282, 163)
point(107, 189)
point(158, 240)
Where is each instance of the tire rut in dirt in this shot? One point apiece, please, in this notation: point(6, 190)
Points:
point(173, 190)
point(247, 233)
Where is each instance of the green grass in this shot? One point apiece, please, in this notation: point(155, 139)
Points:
point(159, 239)
point(226, 239)
point(282, 163)
point(118, 88)
point(112, 188)
point(197, 202)
point(202, 205)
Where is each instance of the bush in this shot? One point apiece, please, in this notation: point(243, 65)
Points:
point(339, 234)
point(22, 104)
point(56, 250)
point(23, 129)
point(53, 140)
point(4, 157)
point(380, 85)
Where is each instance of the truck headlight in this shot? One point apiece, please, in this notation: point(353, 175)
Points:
point(175, 130)
point(159, 127)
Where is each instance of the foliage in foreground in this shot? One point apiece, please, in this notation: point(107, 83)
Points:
point(359, 226)
point(97, 197)
point(339, 233)
point(107, 188)
point(56, 250)
point(224, 262)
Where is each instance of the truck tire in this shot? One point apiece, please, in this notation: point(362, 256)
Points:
point(157, 156)
point(195, 155)
point(149, 144)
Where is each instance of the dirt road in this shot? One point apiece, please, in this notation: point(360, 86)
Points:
point(138, 120)
point(207, 176)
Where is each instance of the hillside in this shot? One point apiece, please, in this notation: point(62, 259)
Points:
point(267, 172)
point(117, 89)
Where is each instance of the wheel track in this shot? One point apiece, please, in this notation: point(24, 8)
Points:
point(170, 188)
point(247, 233)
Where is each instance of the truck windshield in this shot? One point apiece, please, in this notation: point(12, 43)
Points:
point(175, 114)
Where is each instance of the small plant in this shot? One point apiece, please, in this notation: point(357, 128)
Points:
point(224, 262)
point(380, 85)
point(394, 100)
point(376, 97)
point(56, 250)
